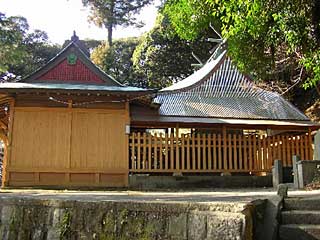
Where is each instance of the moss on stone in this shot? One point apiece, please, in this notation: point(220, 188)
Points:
point(65, 225)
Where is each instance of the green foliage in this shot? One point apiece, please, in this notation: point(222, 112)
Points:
point(190, 18)
point(266, 38)
point(117, 60)
point(38, 52)
point(12, 30)
point(113, 13)
point(311, 62)
point(163, 58)
point(21, 51)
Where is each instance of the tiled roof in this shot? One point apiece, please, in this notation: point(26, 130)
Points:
point(220, 90)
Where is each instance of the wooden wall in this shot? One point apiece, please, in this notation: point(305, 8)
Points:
point(68, 147)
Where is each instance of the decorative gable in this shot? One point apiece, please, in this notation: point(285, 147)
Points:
point(71, 69)
point(73, 66)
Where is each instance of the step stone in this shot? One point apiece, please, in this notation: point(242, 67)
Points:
point(300, 217)
point(299, 232)
point(302, 204)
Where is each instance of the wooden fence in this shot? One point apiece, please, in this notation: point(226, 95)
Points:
point(213, 152)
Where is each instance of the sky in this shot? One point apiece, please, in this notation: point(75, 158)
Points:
point(59, 18)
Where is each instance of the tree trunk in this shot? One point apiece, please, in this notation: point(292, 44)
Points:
point(110, 22)
point(110, 35)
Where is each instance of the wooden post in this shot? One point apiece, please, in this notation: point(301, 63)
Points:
point(155, 151)
point(204, 155)
point(250, 153)
point(127, 122)
point(240, 152)
point(167, 151)
point(199, 151)
point(235, 152)
point(7, 160)
point(171, 151)
point(160, 152)
point(193, 152)
point(245, 152)
point(177, 149)
point(316, 145)
point(144, 151)
point(219, 152)
point(139, 151)
point(214, 152)
point(209, 152)
point(149, 151)
point(224, 143)
point(302, 148)
point(67, 175)
point(188, 152)
point(230, 165)
point(182, 152)
point(133, 154)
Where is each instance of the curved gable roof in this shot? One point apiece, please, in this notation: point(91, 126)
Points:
point(220, 90)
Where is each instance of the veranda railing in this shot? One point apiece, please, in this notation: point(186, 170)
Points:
point(213, 152)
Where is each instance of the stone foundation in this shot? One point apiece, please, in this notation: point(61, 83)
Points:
point(26, 218)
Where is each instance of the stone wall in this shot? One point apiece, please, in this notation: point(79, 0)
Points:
point(25, 218)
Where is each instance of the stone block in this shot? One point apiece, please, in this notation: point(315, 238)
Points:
point(277, 173)
point(177, 228)
point(6, 214)
point(295, 160)
point(57, 216)
point(223, 226)
point(282, 190)
point(53, 234)
point(197, 225)
point(37, 234)
point(307, 170)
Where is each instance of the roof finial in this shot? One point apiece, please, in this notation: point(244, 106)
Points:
point(74, 38)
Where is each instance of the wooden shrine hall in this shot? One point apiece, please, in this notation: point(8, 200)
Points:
point(69, 124)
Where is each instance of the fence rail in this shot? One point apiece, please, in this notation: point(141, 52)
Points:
point(213, 152)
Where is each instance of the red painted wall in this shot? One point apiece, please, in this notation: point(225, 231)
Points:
point(71, 73)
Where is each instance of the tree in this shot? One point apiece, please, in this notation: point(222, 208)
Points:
point(276, 40)
point(117, 60)
point(21, 51)
point(12, 30)
point(38, 51)
point(163, 58)
point(112, 13)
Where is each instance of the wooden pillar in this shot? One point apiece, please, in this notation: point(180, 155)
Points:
point(177, 130)
point(127, 107)
point(316, 146)
point(224, 143)
point(67, 174)
point(8, 147)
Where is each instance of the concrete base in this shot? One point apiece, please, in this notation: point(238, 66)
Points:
point(185, 182)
